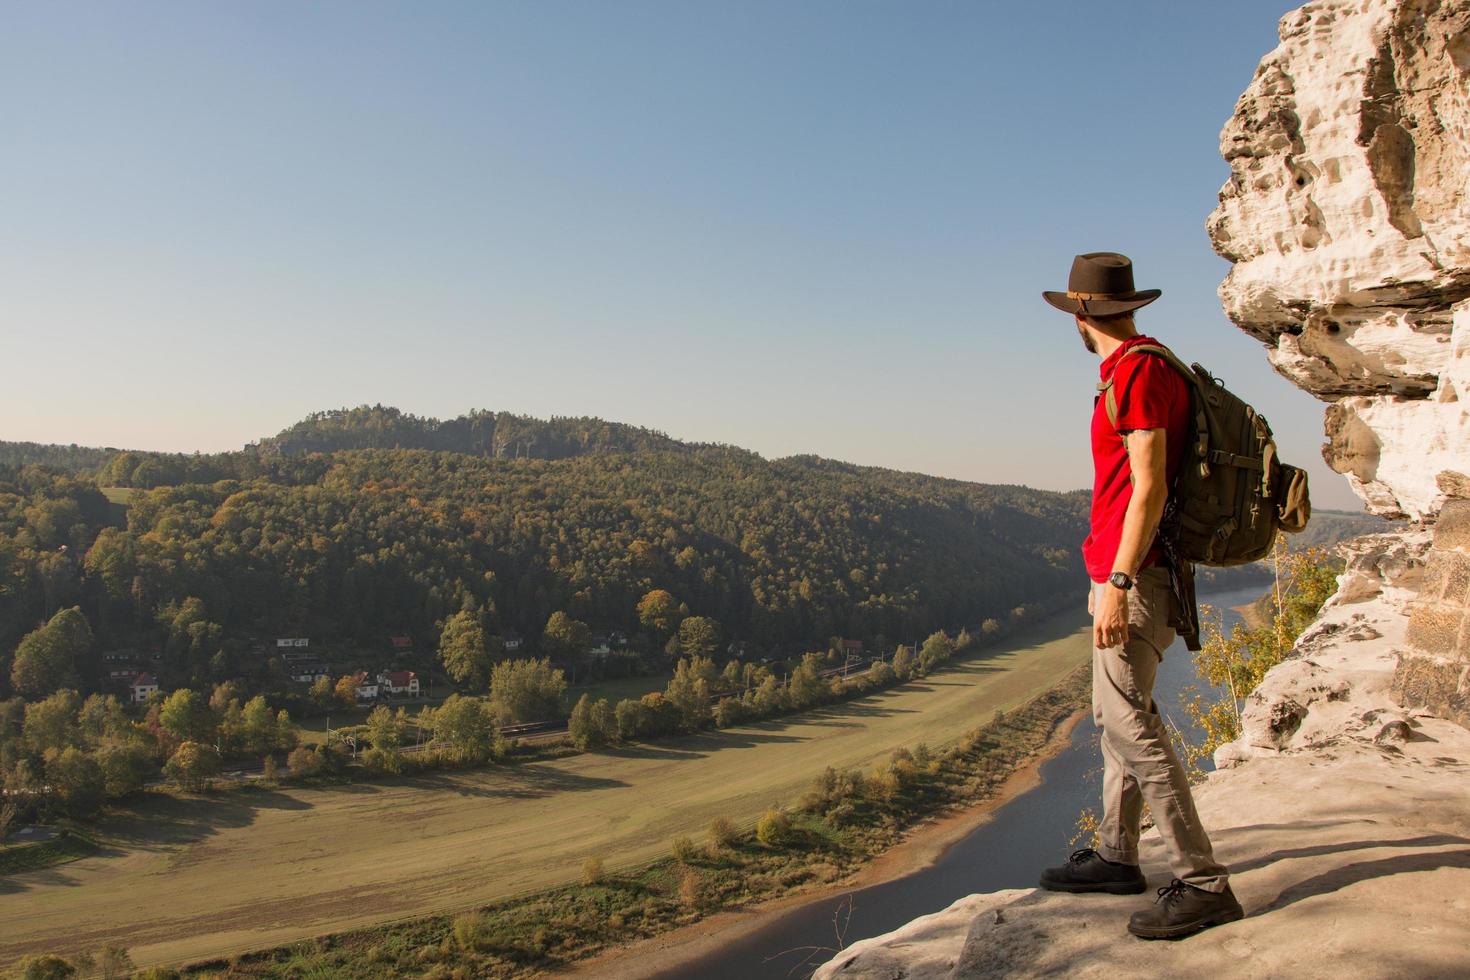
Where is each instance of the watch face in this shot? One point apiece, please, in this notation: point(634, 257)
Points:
point(1121, 580)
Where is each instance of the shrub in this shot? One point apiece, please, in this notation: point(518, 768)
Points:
point(773, 829)
point(304, 761)
point(881, 674)
point(692, 892)
point(470, 931)
point(684, 849)
point(592, 873)
point(47, 966)
point(722, 831)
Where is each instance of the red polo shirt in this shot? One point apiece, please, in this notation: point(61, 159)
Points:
point(1150, 395)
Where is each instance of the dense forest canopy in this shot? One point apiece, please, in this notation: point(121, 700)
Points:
point(309, 534)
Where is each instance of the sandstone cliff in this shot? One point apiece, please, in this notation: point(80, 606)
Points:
point(1344, 808)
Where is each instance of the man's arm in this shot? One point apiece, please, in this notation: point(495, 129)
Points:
point(1146, 459)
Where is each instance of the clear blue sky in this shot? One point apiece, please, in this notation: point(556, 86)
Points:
point(795, 227)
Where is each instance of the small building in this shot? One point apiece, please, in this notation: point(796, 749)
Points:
point(143, 687)
point(853, 648)
point(400, 683)
point(308, 672)
point(124, 674)
point(367, 690)
point(292, 641)
point(401, 641)
point(600, 647)
point(512, 641)
point(618, 639)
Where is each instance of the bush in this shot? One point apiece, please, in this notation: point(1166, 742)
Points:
point(592, 873)
point(304, 761)
point(773, 829)
point(47, 966)
point(722, 832)
point(470, 931)
point(692, 891)
point(684, 850)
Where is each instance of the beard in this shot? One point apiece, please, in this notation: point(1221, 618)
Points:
point(1086, 340)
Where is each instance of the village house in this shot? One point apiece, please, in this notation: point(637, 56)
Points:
point(307, 672)
point(853, 648)
point(367, 690)
point(600, 646)
point(401, 642)
point(142, 688)
point(400, 683)
point(512, 641)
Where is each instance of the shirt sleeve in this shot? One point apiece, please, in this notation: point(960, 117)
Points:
point(1146, 389)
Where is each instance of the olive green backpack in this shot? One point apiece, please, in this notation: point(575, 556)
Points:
point(1232, 493)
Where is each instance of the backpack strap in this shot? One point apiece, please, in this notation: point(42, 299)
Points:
point(1105, 388)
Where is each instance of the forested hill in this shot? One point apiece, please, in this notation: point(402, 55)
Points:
point(499, 435)
point(359, 543)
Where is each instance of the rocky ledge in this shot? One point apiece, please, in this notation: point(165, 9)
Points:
point(1344, 817)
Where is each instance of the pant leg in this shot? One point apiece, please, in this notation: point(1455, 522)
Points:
point(1122, 799)
point(1139, 762)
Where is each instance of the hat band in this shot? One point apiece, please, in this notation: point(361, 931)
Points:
point(1073, 294)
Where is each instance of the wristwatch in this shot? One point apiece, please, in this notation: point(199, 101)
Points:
point(1121, 580)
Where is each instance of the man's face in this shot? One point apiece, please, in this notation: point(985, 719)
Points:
point(1086, 337)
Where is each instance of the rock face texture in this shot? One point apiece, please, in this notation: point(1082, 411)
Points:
point(1343, 809)
point(1347, 218)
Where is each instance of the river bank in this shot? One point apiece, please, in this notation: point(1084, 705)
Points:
point(672, 953)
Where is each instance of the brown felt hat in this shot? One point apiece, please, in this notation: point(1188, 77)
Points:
point(1101, 284)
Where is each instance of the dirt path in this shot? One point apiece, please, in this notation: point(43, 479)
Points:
point(185, 880)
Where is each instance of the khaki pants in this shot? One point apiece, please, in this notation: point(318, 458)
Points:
point(1139, 764)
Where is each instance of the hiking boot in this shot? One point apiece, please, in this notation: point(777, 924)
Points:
point(1182, 910)
point(1088, 871)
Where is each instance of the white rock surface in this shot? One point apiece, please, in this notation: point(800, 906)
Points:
point(1347, 218)
point(1348, 842)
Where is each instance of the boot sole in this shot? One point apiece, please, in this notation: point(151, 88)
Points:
point(1187, 929)
point(1104, 887)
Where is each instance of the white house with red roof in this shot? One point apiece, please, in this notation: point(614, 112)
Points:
point(403, 683)
point(143, 687)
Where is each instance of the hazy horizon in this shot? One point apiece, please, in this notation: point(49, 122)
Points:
point(795, 229)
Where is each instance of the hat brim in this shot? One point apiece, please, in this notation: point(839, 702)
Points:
point(1102, 307)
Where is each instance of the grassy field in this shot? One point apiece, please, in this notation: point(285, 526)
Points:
point(179, 880)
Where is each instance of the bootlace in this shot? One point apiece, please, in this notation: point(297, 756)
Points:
point(1080, 855)
point(1171, 891)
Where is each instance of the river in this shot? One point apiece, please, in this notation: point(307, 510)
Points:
point(1008, 851)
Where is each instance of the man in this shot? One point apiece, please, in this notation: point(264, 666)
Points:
point(1134, 464)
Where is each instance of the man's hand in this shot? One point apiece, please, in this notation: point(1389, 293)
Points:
point(1110, 619)
point(1091, 600)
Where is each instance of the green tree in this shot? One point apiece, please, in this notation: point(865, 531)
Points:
point(690, 694)
point(125, 768)
point(51, 724)
point(658, 611)
point(259, 733)
point(75, 779)
point(321, 692)
point(565, 638)
point(699, 636)
point(466, 727)
point(937, 649)
point(462, 650)
point(46, 658)
point(526, 690)
point(186, 717)
point(102, 717)
point(193, 765)
point(903, 663)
